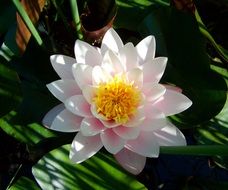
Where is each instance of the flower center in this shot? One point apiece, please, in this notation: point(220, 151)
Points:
point(117, 100)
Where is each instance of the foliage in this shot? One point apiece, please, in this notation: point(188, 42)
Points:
point(197, 63)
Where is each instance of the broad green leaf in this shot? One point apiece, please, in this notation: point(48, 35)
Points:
point(216, 130)
point(24, 123)
point(101, 172)
point(136, 11)
point(7, 10)
point(22, 183)
point(179, 39)
point(10, 88)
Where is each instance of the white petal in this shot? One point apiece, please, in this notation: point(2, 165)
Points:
point(111, 141)
point(136, 75)
point(172, 102)
point(99, 75)
point(62, 65)
point(170, 136)
point(112, 64)
point(154, 69)
point(51, 115)
point(109, 123)
point(63, 89)
point(128, 56)
point(146, 49)
point(78, 105)
point(155, 119)
point(89, 93)
point(130, 161)
point(153, 91)
point(82, 74)
point(93, 58)
point(81, 48)
point(127, 132)
point(137, 119)
point(91, 126)
point(83, 147)
point(146, 144)
point(65, 121)
point(111, 41)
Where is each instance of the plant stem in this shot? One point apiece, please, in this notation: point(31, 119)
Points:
point(76, 18)
point(28, 22)
point(199, 150)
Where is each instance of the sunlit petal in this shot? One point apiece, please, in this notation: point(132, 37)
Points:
point(146, 144)
point(82, 74)
point(83, 147)
point(153, 69)
point(78, 105)
point(112, 142)
point(91, 126)
point(65, 121)
point(62, 65)
point(146, 49)
point(172, 103)
point(111, 41)
point(63, 89)
point(130, 161)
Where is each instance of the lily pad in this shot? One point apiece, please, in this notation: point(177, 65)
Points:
point(178, 37)
point(101, 172)
point(10, 88)
point(23, 182)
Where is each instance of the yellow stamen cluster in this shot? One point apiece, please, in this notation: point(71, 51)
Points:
point(117, 100)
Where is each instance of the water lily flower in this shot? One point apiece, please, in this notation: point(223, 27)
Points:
point(112, 97)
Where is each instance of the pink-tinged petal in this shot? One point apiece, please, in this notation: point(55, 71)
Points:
point(111, 63)
point(130, 161)
point(154, 69)
point(78, 105)
point(136, 75)
point(111, 141)
point(109, 123)
point(51, 115)
point(153, 91)
point(128, 56)
point(82, 74)
point(146, 49)
point(99, 75)
point(65, 121)
point(127, 132)
point(174, 88)
point(63, 89)
point(111, 41)
point(93, 58)
point(89, 93)
point(62, 65)
point(81, 48)
point(170, 136)
point(155, 119)
point(91, 126)
point(83, 147)
point(97, 115)
point(137, 119)
point(146, 144)
point(172, 103)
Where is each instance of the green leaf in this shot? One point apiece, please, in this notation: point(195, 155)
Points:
point(24, 123)
point(24, 182)
point(7, 10)
point(136, 11)
point(10, 91)
point(215, 131)
point(179, 39)
point(101, 172)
